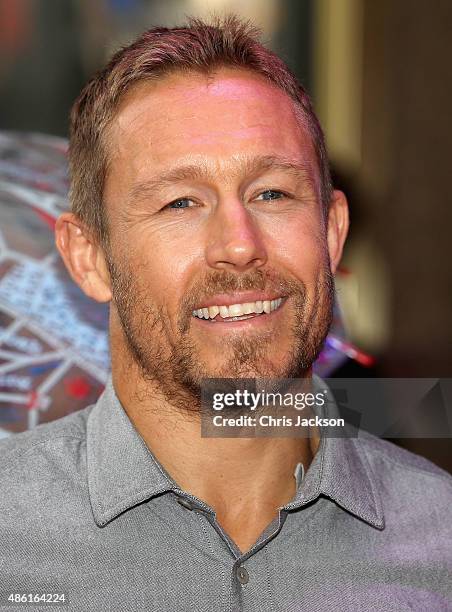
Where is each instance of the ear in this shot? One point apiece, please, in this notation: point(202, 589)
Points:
point(83, 257)
point(338, 223)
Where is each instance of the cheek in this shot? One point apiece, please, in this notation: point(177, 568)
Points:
point(300, 245)
point(162, 267)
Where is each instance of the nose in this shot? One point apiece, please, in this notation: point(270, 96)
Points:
point(235, 242)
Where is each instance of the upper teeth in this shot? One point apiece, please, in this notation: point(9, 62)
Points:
point(237, 310)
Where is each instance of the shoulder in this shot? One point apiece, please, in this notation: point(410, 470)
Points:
point(39, 453)
point(43, 490)
point(414, 496)
point(405, 476)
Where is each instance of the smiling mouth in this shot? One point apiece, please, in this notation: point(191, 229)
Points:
point(237, 312)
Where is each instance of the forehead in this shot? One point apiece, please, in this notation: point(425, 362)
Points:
point(214, 118)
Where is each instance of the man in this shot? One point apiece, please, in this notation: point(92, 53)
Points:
point(203, 212)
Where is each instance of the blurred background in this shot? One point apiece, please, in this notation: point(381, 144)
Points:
point(379, 76)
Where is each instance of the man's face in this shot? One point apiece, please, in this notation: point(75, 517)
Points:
point(212, 200)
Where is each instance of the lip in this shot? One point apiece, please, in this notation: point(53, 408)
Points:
point(228, 299)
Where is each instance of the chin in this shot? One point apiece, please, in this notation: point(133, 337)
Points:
point(267, 369)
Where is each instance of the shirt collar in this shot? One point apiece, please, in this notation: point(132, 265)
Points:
point(122, 471)
point(341, 471)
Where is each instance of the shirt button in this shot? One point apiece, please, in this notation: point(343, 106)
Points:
point(242, 575)
point(185, 503)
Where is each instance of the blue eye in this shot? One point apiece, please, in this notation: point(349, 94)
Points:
point(271, 194)
point(180, 203)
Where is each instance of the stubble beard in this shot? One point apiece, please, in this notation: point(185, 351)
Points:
point(172, 365)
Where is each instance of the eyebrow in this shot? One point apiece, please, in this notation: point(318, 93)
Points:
point(247, 167)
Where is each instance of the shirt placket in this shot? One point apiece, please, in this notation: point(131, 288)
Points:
point(241, 574)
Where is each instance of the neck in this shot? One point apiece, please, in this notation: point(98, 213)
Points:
point(236, 477)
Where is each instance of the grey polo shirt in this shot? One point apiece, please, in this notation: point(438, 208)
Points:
point(86, 510)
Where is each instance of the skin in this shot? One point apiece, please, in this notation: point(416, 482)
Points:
point(226, 235)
